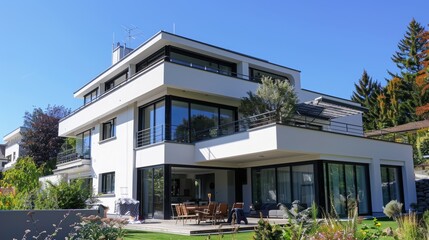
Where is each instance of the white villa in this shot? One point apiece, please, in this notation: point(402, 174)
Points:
point(161, 125)
point(13, 148)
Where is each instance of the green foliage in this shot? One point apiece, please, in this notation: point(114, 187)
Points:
point(95, 228)
point(266, 231)
point(272, 95)
point(63, 195)
point(24, 176)
point(373, 231)
point(366, 93)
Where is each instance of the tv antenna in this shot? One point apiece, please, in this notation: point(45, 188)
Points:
point(132, 33)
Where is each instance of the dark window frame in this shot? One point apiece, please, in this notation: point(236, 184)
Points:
point(105, 188)
point(258, 79)
point(400, 183)
point(153, 58)
point(112, 129)
point(199, 56)
point(91, 95)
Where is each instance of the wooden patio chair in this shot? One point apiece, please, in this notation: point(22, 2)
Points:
point(186, 214)
point(179, 212)
point(207, 214)
point(221, 212)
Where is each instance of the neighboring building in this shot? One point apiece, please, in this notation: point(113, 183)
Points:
point(161, 125)
point(13, 149)
point(3, 159)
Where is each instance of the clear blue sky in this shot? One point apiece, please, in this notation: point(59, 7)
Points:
point(49, 49)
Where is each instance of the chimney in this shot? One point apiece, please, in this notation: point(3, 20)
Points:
point(119, 52)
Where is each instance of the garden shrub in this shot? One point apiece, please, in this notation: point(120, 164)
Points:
point(63, 195)
point(95, 228)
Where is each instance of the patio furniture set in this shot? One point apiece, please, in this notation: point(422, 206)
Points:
point(211, 213)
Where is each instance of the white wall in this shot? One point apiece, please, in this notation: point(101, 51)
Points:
point(115, 155)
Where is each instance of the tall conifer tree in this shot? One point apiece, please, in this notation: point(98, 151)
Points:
point(366, 93)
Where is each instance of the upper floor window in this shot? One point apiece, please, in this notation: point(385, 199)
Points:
point(118, 79)
point(83, 144)
point(256, 75)
point(108, 129)
point(158, 55)
point(108, 183)
point(203, 62)
point(90, 96)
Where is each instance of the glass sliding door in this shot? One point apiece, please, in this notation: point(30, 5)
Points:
point(147, 193)
point(204, 121)
point(284, 185)
point(159, 122)
point(179, 121)
point(337, 191)
point(347, 188)
point(303, 183)
point(151, 184)
point(362, 189)
point(158, 192)
point(264, 184)
point(226, 121)
point(391, 183)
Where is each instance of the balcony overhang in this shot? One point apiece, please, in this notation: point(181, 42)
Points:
point(81, 167)
point(273, 144)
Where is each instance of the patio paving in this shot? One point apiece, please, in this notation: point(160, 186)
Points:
point(192, 228)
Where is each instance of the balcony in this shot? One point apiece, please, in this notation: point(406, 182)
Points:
point(162, 133)
point(74, 161)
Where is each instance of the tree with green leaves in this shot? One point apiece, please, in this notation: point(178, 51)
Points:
point(410, 57)
point(272, 95)
point(41, 140)
point(24, 176)
point(366, 93)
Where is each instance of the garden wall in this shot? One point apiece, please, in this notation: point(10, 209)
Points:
point(422, 189)
point(14, 223)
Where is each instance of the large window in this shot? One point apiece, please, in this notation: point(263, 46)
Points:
point(391, 184)
point(90, 96)
point(284, 184)
point(256, 75)
point(152, 123)
point(108, 129)
point(108, 183)
point(83, 144)
point(347, 185)
point(183, 120)
point(206, 63)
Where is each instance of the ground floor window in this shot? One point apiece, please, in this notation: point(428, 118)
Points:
point(347, 184)
point(108, 183)
point(391, 183)
point(283, 184)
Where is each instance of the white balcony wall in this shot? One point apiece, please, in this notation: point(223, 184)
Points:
point(165, 153)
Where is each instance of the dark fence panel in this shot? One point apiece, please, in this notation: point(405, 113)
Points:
point(14, 223)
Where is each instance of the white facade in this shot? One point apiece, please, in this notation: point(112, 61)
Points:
point(218, 160)
point(13, 148)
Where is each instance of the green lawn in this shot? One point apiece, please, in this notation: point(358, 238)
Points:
point(134, 235)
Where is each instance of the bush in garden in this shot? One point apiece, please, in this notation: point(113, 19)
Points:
point(95, 228)
point(393, 209)
point(64, 195)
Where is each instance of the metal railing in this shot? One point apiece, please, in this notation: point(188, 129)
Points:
point(72, 154)
point(399, 137)
point(182, 134)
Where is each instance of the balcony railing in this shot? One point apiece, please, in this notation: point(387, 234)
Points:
point(181, 134)
point(71, 155)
